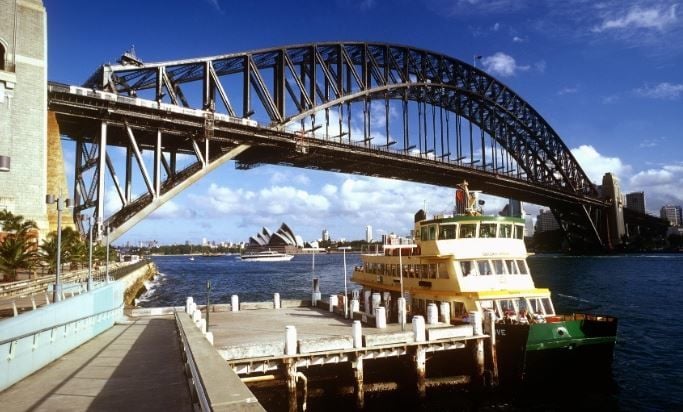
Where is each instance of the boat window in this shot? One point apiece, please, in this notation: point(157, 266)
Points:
point(432, 232)
point(511, 267)
point(458, 310)
point(467, 230)
point(519, 231)
point(487, 230)
point(468, 268)
point(548, 306)
point(505, 231)
point(522, 267)
point(484, 268)
point(424, 233)
point(432, 270)
point(535, 305)
point(498, 268)
point(442, 272)
point(447, 232)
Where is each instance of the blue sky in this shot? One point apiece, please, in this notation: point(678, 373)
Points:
point(605, 74)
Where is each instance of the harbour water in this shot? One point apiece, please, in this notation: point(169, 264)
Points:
point(643, 291)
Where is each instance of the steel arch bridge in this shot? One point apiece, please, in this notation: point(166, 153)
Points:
point(367, 108)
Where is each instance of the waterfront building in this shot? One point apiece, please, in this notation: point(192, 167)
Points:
point(636, 201)
point(545, 221)
point(672, 214)
point(368, 233)
point(326, 236)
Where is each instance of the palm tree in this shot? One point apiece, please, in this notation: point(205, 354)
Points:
point(16, 252)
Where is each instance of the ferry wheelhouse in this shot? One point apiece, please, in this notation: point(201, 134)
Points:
point(478, 263)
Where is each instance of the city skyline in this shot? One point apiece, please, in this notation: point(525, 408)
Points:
point(603, 75)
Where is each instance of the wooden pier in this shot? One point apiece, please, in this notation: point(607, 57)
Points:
point(295, 345)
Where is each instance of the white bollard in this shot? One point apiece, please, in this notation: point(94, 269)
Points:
point(334, 302)
point(355, 307)
point(376, 302)
point(475, 320)
point(193, 307)
point(445, 312)
point(188, 304)
point(276, 301)
point(234, 303)
point(432, 314)
point(402, 311)
point(357, 333)
point(290, 340)
point(380, 317)
point(196, 315)
point(202, 325)
point(419, 329)
point(366, 301)
point(209, 337)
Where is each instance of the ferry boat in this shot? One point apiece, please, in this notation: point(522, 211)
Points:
point(266, 256)
point(478, 263)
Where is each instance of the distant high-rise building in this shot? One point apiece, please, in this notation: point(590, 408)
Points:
point(326, 235)
point(636, 201)
point(546, 221)
point(672, 214)
point(368, 233)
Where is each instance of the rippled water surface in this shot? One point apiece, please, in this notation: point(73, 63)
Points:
point(644, 292)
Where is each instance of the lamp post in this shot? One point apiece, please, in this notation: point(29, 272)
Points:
point(90, 225)
point(106, 262)
point(346, 295)
point(208, 303)
point(61, 205)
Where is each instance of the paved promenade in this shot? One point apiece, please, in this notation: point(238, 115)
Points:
point(135, 365)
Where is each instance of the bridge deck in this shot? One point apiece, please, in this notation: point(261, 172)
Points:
point(132, 366)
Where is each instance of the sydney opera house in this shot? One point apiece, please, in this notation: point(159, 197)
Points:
point(283, 240)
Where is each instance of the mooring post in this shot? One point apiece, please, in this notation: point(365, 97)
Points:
point(490, 329)
point(380, 317)
point(432, 314)
point(358, 388)
point(445, 312)
point(290, 364)
point(355, 307)
point(188, 305)
point(357, 334)
point(402, 313)
point(290, 340)
point(334, 302)
point(234, 303)
point(376, 301)
point(276, 301)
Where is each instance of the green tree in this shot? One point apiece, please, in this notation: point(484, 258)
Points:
point(16, 252)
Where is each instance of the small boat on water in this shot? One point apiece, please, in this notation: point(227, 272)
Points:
point(472, 263)
point(266, 256)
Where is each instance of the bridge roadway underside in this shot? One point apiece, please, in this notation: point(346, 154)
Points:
point(133, 366)
point(80, 117)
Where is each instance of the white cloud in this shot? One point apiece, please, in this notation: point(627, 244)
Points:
point(610, 99)
point(502, 64)
point(661, 185)
point(596, 165)
point(666, 90)
point(215, 4)
point(496, 27)
point(567, 90)
point(517, 39)
point(638, 18)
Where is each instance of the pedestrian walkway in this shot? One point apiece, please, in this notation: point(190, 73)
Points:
point(135, 365)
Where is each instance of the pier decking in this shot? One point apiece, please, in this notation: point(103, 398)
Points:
point(135, 365)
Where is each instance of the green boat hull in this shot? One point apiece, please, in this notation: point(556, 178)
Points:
point(568, 345)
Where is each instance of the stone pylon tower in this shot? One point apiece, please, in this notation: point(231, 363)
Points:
point(23, 113)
